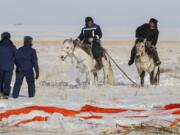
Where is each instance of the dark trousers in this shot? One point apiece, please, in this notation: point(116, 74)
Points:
point(29, 75)
point(5, 82)
point(97, 50)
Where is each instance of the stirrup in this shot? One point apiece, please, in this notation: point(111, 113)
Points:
point(158, 63)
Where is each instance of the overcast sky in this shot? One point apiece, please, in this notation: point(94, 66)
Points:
point(105, 12)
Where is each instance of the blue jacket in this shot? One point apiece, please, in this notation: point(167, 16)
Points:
point(90, 32)
point(26, 58)
point(7, 55)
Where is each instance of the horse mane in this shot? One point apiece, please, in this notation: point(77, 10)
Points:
point(68, 40)
point(78, 44)
point(147, 50)
point(81, 45)
point(139, 40)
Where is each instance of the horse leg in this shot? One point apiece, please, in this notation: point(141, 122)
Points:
point(104, 76)
point(142, 75)
point(105, 70)
point(87, 78)
point(95, 77)
point(156, 75)
point(110, 75)
point(157, 78)
point(151, 77)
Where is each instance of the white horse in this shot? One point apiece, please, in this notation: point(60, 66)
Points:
point(85, 62)
point(145, 63)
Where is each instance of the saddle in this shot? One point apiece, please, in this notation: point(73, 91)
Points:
point(87, 49)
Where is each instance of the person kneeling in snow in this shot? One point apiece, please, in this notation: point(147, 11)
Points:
point(26, 60)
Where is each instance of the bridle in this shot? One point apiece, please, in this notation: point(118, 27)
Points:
point(72, 55)
point(69, 54)
point(142, 53)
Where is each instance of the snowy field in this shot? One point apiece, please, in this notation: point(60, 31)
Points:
point(57, 87)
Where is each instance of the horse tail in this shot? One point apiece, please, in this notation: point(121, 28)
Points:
point(110, 76)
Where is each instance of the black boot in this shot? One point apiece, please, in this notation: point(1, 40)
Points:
point(99, 64)
point(133, 55)
point(3, 96)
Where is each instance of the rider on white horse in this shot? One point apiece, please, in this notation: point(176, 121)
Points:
point(90, 35)
point(150, 32)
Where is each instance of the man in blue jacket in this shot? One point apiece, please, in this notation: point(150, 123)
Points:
point(7, 59)
point(91, 34)
point(26, 61)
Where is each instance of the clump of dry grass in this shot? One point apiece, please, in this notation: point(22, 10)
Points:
point(146, 128)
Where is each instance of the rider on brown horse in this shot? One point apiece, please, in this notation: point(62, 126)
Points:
point(90, 35)
point(150, 32)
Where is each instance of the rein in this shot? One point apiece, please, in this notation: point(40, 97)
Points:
point(72, 54)
point(125, 74)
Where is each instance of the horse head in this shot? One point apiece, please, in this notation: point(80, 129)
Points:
point(140, 47)
point(67, 49)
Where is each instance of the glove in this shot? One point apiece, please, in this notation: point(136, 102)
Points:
point(90, 40)
point(37, 74)
point(98, 41)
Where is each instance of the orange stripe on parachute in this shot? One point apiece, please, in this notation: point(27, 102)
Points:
point(26, 110)
point(174, 123)
point(73, 113)
point(176, 112)
point(89, 108)
point(64, 112)
point(137, 116)
point(36, 118)
point(172, 106)
point(92, 117)
point(43, 119)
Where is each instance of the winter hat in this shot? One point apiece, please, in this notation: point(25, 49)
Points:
point(5, 35)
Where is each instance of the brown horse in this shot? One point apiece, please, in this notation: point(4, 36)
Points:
point(145, 63)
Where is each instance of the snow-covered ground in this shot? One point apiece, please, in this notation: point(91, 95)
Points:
point(57, 87)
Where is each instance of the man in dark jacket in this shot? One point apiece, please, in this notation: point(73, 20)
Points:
point(150, 32)
point(7, 59)
point(26, 60)
point(91, 35)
